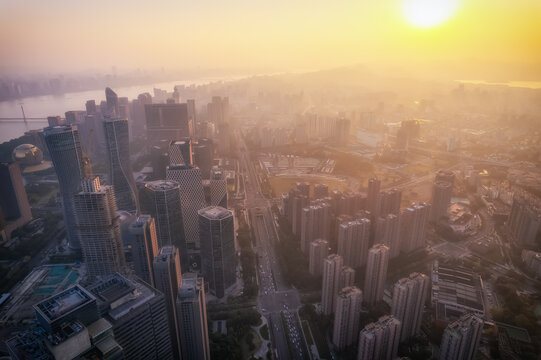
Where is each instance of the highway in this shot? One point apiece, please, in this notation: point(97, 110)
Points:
point(277, 301)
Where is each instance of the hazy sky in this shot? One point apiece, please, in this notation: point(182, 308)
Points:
point(73, 35)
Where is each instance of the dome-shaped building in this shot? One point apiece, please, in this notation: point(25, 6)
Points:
point(27, 155)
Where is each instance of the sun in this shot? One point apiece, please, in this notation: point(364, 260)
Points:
point(428, 13)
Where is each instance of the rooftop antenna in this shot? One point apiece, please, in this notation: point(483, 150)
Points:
point(24, 117)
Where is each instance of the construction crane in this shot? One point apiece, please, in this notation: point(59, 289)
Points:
point(24, 117)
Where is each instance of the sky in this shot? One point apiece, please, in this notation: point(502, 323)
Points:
point(264, 35)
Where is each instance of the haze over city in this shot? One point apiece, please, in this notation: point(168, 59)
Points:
point(270, 180)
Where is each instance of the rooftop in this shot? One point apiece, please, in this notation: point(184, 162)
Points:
point(64, 302)
point(215, 212)
point(162, 185)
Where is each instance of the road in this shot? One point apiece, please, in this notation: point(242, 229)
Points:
point(277, 301)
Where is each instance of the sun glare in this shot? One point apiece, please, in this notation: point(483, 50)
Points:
point(427, 13)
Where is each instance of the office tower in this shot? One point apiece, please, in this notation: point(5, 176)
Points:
point(167, 277)
point(74, 117)
point(319, 250)
point(347, 277)
point(159, 158)
point(98, 225)
point(315, 224)
point(144, 247)
point(166, 122)
point(321, 191)
point(71, 166)
point(218, 187)
point(91, 107)
point(388, 233)
point(372, 194)
point(203, 156)
point(353, 242)
point(119, 167)
point(346, 317)
point(180, 152)
point(218, 110)
point(304, 188)
point(192, 113)
point(192, 318)
point(524, 222)
point(55, 121)
point(409, 296)
point(192, 199)
point(138, 315)
point(376, 273)
point(224, 138)
point(332, 265)
point(445, 175)
point(461, 338)
point(111, 98)
point(161, 199)
point(441, 199)
point(413, 221)
point(379, 340)
point(13, 200)
point(218, 261)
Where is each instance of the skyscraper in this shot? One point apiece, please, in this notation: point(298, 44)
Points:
point(379, 340)
point(144, 247)
point(218, 261)
point(409, 296)
point(388, 233)
point(353, 242)
point(71, 166)
point(138, 315)
point(166, 122)
point(376, 273)
point(441, 199)
point(319, 250)
point(180, 152)
point(372, 195)
point(413, 221)
point(321, 191)
point(161, 199)
point(203, 156)
point(119, 167)
point(192, 318)
point(167, 276)
point(332, 266)
point(111, 98)
point(461, 338)
point(346, 317)
point(524, 220)
point(98, 225)
point(14, 204)
point(192, 199)
point(218, 187)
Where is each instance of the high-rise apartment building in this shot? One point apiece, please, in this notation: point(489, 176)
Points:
point(413, 222)
point(14, 206)
point(161, 199)
point(388, 233)
point(218, 259)
point(192, 199)
point(71, 166)
point(117, 142)
point(376, 273)
point(167, 277)
point(372, 194)
point(354, 241)
point(379, 340)
point(321, 191)
point(144, 247)
point(409, 296)
point(98, 226)
point(138, 315)
point(180, 152)
point(218, 187)
point(461, 338)
point(524, 220)
point(166, 122)
point(347, 317)
point(192, 318)
point(315, 223)
point(319, 250)
point(347, 277)
point(332, 265)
